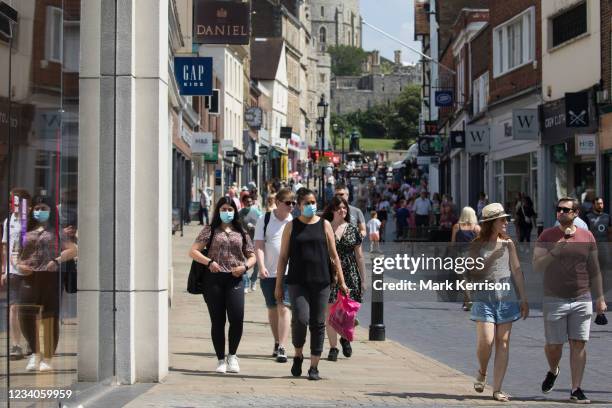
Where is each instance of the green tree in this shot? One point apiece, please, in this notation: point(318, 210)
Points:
point(346, 60)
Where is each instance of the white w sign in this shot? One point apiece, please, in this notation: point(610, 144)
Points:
point(525, 124)
point(477, 139)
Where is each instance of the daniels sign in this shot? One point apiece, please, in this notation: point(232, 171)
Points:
point(221, 22)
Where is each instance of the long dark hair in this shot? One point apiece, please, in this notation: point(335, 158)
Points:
point(216, 220)
point(486, 230)
point(333, 205)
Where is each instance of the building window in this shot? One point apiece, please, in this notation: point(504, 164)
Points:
point(514, 43)
point(53, 34)
point(569, 25)
point(71, 47)
point(480, 93)
point(322, 35)
point(460, 80)
point(322, 77)
point(322, 11)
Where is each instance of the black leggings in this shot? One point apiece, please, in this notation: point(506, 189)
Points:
point(224, 295)
point(309, 306)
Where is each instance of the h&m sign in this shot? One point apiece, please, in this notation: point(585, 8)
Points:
point(221, 22)
point(477, 139)
point(194, 75)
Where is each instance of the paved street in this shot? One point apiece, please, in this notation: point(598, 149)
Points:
point(442, 330)
point(426, 364)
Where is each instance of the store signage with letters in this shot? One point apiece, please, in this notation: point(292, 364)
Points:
point(444, 99)
point(554, 128)
point(457, 139)
point(525, 124)
point(477, 139)
point(227, 144)
point(586, 145)
point(202, 143)
point(221, 22)
point(285, 132)
point(194, 75)
point(426, 146)
point(263, 150)
point(231, 153)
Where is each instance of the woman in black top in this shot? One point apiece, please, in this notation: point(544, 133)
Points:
point(308, 244)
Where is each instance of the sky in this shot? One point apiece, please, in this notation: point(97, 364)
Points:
point(395, 17)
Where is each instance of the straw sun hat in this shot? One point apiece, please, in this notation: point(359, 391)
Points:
point(492, 212)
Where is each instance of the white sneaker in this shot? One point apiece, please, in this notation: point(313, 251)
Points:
point(33, 363)
point(254, 287)
point(232, 364)
point(221, 367)
point(45, 365)
point(246, 290)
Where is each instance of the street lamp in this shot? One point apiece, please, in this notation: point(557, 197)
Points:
point(322, 111)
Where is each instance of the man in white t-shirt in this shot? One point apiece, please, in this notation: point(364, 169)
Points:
point(19, 198)
point(267, 250)
point(422, 209)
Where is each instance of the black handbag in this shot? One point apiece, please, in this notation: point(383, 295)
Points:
point(195, 281)
point(69, 275)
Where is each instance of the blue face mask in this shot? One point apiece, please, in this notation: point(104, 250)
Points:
point(41, 216)
point(227, 216)
point(309, 210)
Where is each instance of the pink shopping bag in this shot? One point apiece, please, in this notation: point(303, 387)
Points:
point(342, 316)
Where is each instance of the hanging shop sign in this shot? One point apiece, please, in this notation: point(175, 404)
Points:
point(254, 117)
point(586, 145)
point(202, 143)
point(214, 156)
point(477, 139)
point(431, 127)
point(221, 22)
point(285, 132)
point(426, 146)
point(444, 99)
point(525, 124)
point(577, 109)
point(194, 75)
point(457, 139)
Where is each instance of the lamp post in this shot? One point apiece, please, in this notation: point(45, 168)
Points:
point(322, 112)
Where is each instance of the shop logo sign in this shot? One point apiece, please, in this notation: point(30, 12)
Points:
point(194, 75)
point(577, 109)
point(221, 22)
point(586, 145)
point(444, 99)
point(525, 124)
point(477, 139)
point(202, 143)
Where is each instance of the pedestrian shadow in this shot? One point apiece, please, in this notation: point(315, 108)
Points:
point(241, 356)
point(202, 373)
point(461, 398)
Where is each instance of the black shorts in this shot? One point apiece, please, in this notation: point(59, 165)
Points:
point(15, 282)
point(41, 289)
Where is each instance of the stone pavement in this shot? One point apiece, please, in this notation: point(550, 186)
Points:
point(378, 374)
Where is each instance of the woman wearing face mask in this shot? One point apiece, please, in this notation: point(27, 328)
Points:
point(230, 254)
point(39, 260)
point(308, 245)
point(348, 244)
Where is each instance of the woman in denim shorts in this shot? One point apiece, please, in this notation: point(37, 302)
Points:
point(495, 310)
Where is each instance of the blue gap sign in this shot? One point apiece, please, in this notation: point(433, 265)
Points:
point(194, 75)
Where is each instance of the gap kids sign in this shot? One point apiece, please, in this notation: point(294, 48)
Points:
point(194, 75)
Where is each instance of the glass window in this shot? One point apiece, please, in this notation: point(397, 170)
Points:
point(569, 25)
point(514, 43)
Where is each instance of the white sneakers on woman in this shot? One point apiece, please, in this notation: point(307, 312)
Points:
point(221, 366)
point(35, 363)
point(232, 364)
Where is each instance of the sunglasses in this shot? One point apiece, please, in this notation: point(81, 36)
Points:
point(564, 210)
point(288, 203)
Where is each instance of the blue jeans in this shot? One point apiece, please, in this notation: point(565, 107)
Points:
point(250, 281)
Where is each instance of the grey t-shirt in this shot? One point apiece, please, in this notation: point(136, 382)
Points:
point(356, 216)
point(599, 224)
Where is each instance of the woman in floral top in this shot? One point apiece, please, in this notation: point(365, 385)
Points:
point(348, 244)
point(230, 253)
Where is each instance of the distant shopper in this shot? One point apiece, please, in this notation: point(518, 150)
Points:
point(248, 216)
point(308, 245)
point(268, 234)
point(525, 218)
point(464, 232)
point(495, 310)
point(568, 257)
point(423, 210)
point(348, 245)
point(230, 255)
point(356, 215)
point(204, 206)
point(374, 232)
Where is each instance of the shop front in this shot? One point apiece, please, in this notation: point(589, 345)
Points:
point(605, 149)
point(570, 155)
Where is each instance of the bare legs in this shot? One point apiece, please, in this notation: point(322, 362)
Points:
point(577, 359)
point(489, 334)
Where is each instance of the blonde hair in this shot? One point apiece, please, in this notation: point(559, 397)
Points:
point(468, 216)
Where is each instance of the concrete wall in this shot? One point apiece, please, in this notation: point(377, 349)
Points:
point(124, 166)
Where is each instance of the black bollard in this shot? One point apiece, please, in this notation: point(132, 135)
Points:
point(377, 325)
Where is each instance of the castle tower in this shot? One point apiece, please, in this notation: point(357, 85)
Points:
point(336, 22)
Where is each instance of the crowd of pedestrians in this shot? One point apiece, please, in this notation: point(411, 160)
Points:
point(305, 256)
